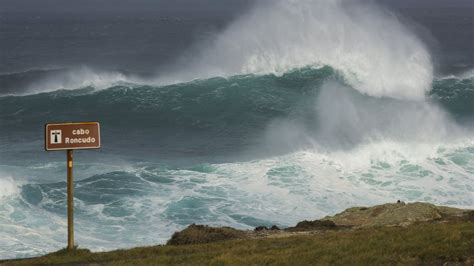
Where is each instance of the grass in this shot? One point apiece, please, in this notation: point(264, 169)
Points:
point(419, 244)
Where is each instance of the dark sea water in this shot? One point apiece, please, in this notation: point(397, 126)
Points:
point(235, 113)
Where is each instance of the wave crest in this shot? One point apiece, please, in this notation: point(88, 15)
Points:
point(377, 54)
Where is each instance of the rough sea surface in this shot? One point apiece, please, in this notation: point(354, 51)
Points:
point(242, 115)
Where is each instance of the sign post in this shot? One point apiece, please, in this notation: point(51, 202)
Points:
point(70, 202)
point(70, 137)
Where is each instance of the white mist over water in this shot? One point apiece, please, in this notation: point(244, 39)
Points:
point(347, 117)
point(344, 119)
point(376, 53)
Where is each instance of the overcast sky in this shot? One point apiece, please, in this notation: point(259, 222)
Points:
point(445, 25)
point(133, 6)
point(128, 6)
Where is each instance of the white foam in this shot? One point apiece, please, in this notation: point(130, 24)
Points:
point(377, 54)
point(80, 77)
point(8, 187)
point(282, 190)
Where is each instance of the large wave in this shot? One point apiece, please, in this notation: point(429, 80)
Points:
point(377, 54)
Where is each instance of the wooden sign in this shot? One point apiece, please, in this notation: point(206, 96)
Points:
point(72, 136)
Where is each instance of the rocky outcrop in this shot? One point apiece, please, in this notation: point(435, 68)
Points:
point(264, 228)
point(200, 234)
point(398, 214)
point(313, 225)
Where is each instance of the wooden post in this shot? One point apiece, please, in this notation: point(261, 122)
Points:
point(70, 202)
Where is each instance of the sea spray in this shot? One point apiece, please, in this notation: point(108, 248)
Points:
point(377, 54)
point(47, 80)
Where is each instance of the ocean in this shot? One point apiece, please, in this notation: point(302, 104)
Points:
point(241, 114)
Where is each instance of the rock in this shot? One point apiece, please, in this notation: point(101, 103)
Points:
point(199, 234)
point(397, 214)
point(313, 225)
point(260, 228)
point(275, 228)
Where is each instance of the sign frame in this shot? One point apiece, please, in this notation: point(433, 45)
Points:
point(47, 125)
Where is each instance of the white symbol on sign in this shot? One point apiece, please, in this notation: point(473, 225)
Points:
point(55, 136)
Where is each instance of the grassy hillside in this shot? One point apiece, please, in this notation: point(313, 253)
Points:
point(416, 244)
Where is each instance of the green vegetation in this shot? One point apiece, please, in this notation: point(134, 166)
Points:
point(423, 243)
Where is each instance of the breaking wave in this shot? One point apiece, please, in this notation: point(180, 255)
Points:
point(376, 53)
